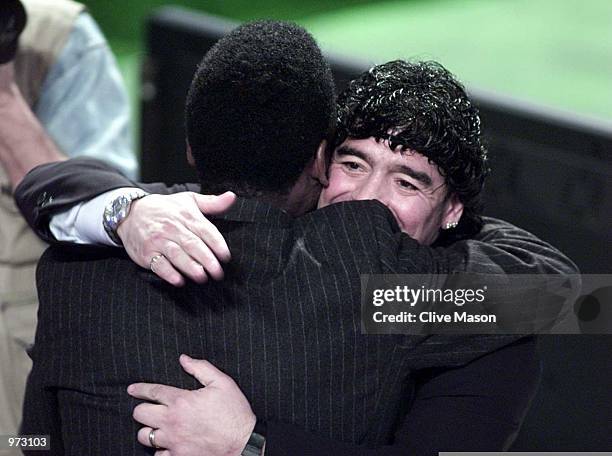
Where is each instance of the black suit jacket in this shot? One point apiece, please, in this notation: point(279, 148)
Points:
point(313, 370)
point(284, 324)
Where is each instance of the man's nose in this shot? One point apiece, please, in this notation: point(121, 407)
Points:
point(371, 188)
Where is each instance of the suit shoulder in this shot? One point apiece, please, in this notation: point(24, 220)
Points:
point(80, 253)
point(357, 214)
point(106, 269)
point(516, 249)
point(63, 261)
point(364, 230)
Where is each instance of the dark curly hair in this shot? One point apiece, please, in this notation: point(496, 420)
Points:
point(260, 103)
point(427, 110)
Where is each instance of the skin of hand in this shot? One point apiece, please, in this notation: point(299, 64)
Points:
point(174, 226)
point(215, 420)
point(24, 144)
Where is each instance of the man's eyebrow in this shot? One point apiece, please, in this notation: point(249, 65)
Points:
point(346, 150)
point(418, 175)
point(404, 169)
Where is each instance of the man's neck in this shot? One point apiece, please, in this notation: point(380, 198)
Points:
point(301, 198)
point(272, 198)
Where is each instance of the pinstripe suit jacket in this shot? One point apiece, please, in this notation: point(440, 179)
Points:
point(284, 324)
point(80, 376)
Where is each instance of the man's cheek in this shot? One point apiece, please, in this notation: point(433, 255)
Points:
point(337, 190)
point(326, 196)
point(406, 214)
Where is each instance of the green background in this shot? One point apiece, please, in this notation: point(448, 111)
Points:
point(554, 53)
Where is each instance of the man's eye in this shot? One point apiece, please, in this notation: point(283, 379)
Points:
point(352, 166)
point(406, 185)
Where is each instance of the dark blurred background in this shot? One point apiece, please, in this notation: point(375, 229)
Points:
point(554, 53)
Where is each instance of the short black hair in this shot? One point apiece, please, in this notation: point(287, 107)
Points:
point(426, 109)
point(261, 101)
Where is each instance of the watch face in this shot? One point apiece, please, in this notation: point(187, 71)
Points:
point(123, 206)
point(117, 205)
point(116, 211)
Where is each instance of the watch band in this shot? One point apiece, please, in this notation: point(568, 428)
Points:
point(254, 446)
point(116, 211)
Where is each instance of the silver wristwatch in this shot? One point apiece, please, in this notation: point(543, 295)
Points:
point(116, 211)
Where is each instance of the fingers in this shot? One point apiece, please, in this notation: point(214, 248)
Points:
point(184, 263)
point(174, 226)
point(191, 258)
point(165, 271)
point(205, 245)
point(154, 392)
point(159, 437)
point(150, 414)
point(215, 204)
point(205, 372)
point(212, 239)
point(195, 248)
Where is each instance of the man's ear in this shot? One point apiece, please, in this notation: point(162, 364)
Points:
point(319, 167)
point(453, 210)
point(190, 158)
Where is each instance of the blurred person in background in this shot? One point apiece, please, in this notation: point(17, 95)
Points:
point(61, 95)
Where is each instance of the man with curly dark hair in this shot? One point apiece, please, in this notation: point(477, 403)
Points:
point(415, 110)
point(284, 323)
